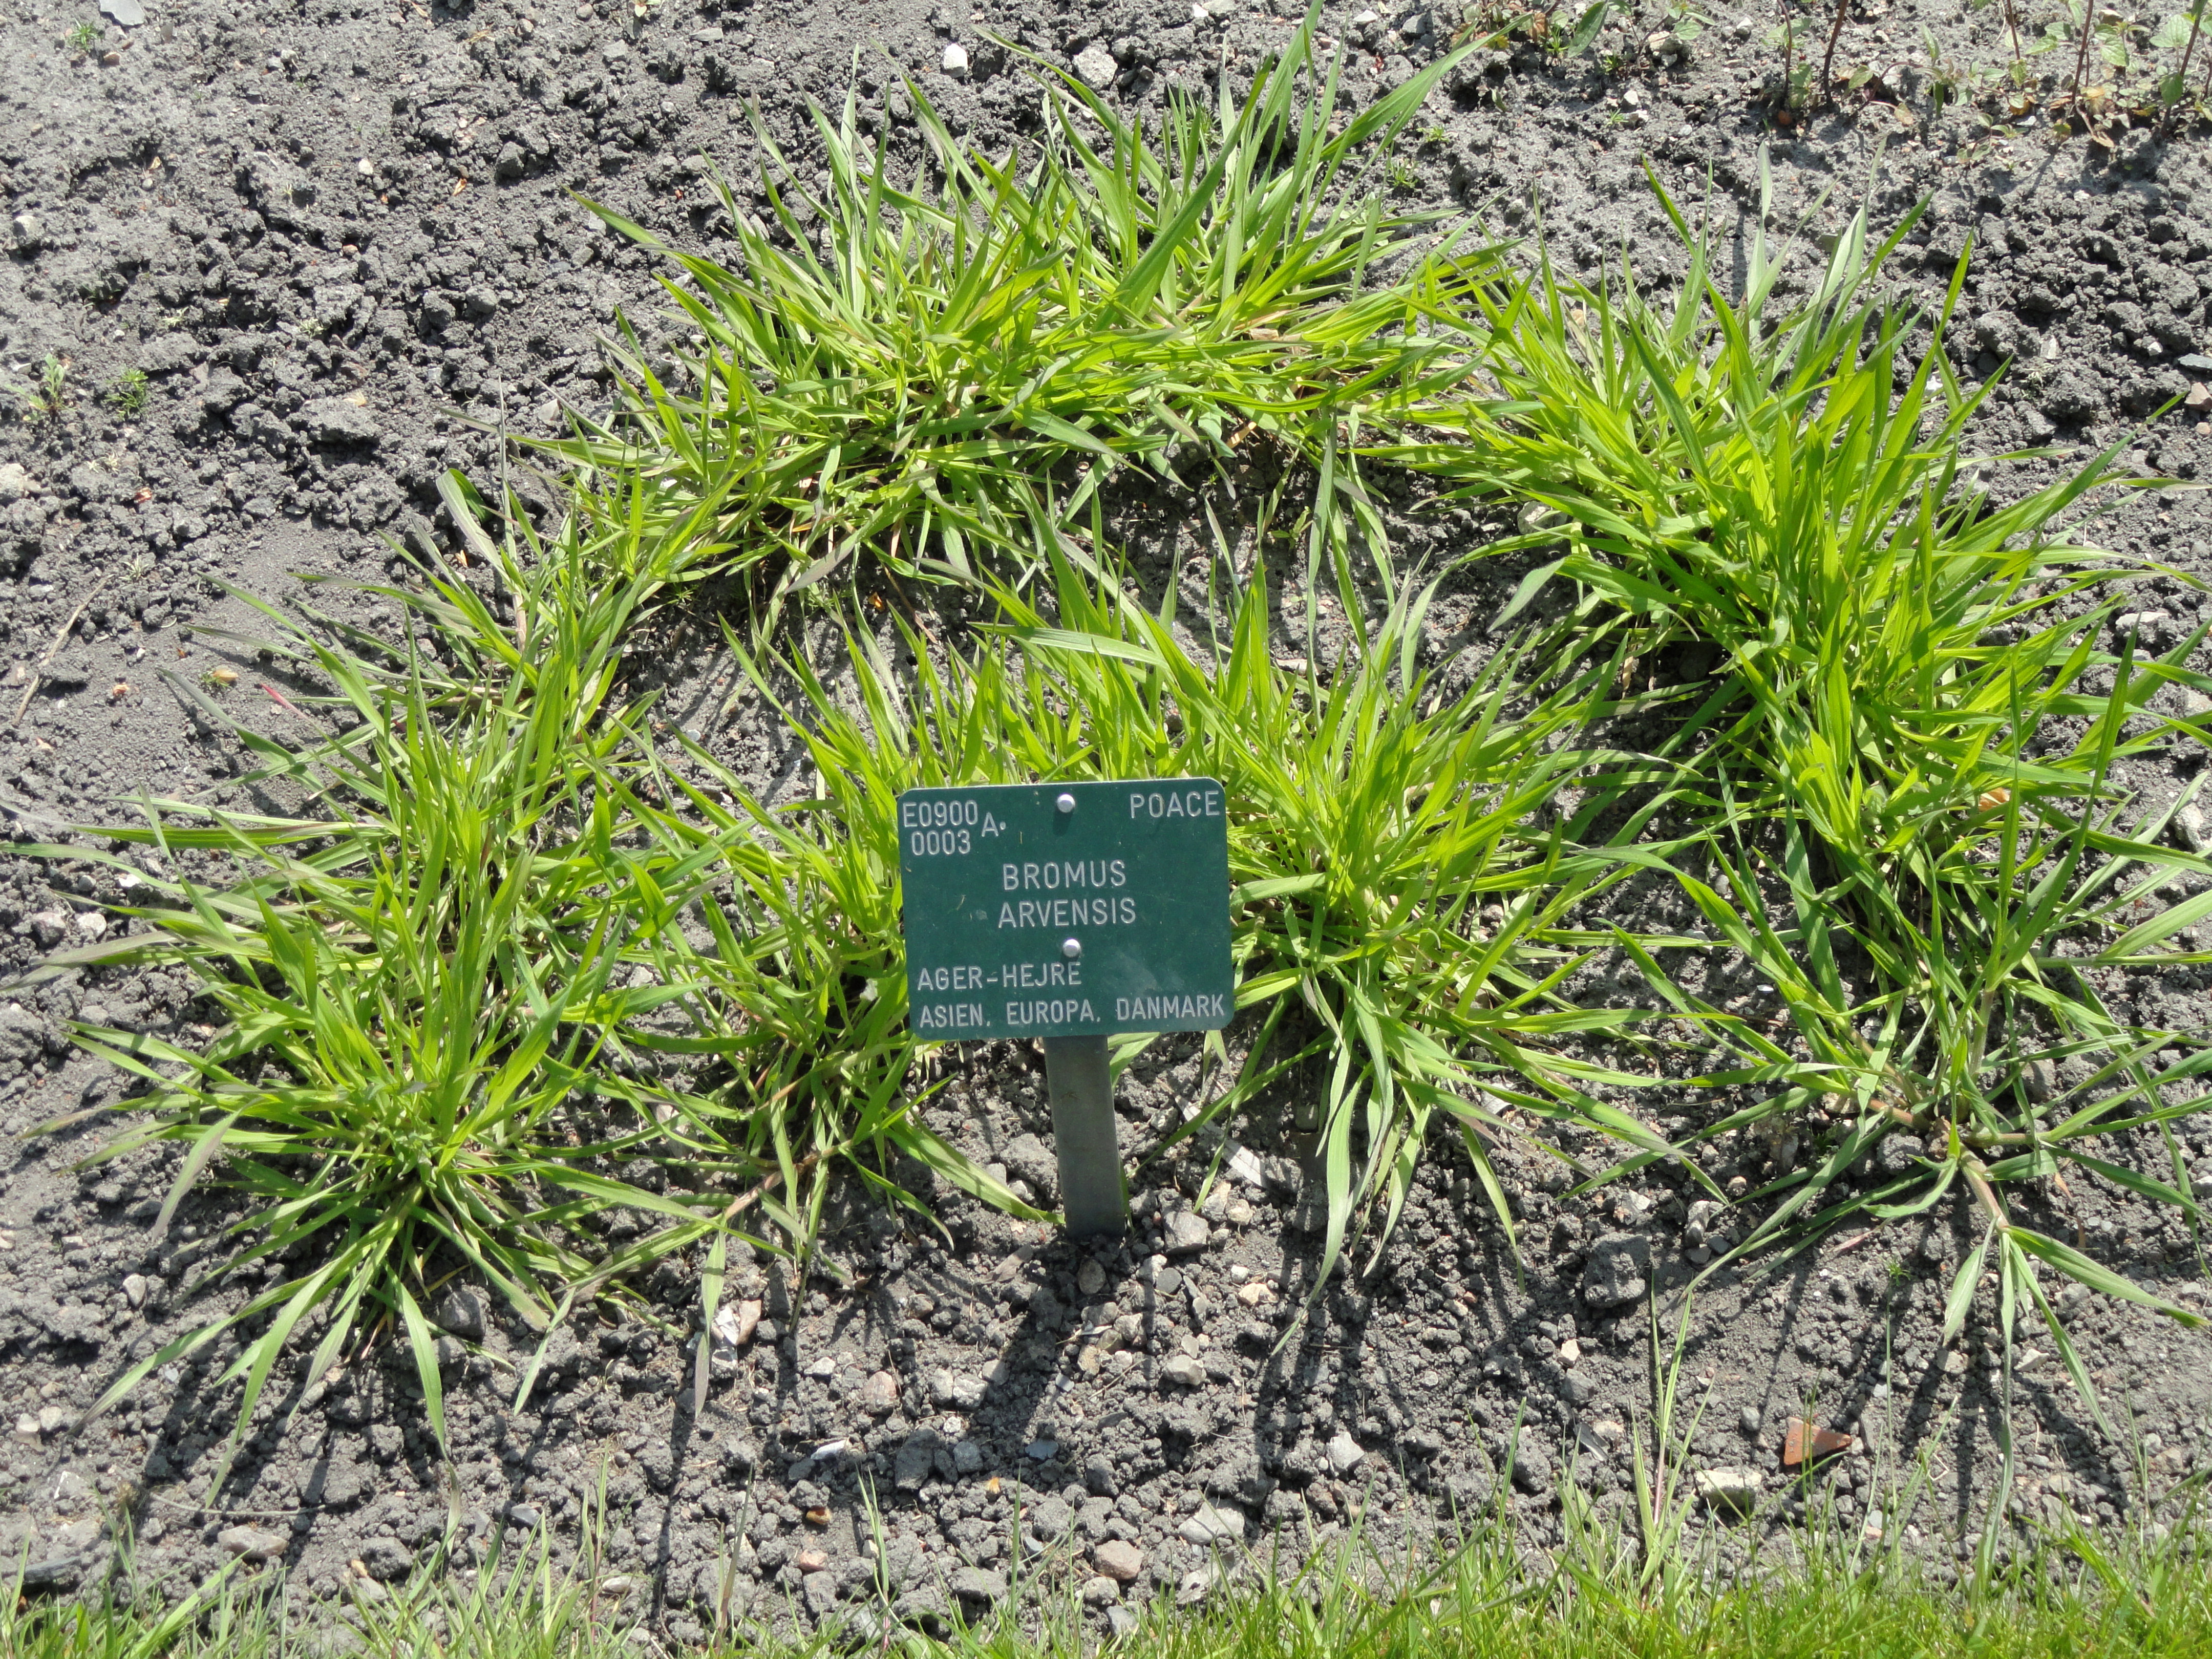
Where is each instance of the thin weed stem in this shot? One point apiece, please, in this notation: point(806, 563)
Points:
point(1828, 62)
point(1789, 53)
point(2081, 56)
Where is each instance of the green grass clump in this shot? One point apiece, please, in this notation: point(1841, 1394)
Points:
point(1400, 872)
point(895, 371)
point(428, 984)
point(1402, 867)
point(1911, 733)
point(799, 995)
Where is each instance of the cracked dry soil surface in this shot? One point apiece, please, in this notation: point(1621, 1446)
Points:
point(316, 229)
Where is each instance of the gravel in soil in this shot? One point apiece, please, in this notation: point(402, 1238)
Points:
point(323, 233)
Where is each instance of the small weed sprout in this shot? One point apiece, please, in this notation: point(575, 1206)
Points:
point(130, 393)
point(1947, 82)
point(46, 396)
point(84, 38)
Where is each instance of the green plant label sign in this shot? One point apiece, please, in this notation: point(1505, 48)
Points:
point(1066, 909)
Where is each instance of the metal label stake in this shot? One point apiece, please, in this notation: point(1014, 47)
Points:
point(1067, 913)
point(1092, 1190)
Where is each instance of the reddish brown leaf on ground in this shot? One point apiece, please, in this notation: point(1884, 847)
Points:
point(1804, 1442)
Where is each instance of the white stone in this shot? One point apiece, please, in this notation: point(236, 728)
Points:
point(1730, 1487)
point(1211, 1526)
point(955, 58)
point(957, 1393)
point(1345, 1452)
point(1096, 66)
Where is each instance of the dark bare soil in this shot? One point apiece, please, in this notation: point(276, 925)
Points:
point(318, 230)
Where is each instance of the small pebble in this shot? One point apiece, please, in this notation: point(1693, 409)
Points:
point(251, 1542)
point(1188, 1233)
point(1119, 1560)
